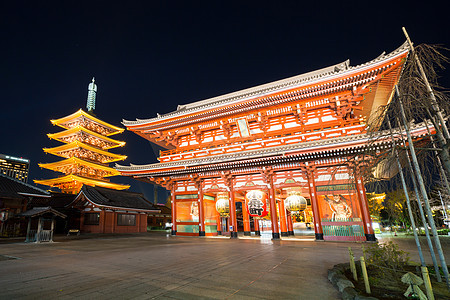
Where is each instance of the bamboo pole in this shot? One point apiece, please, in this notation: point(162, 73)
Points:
point(427, 282)
point(434, 104)
point(405, 190)
point(444, 137)
point(364, 272)
point(352, 264)
point(441, 168)
point(423, 191)
point(419, 202)
point(443, 153)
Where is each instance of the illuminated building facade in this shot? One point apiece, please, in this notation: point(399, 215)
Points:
point(105, 210)
point(86, 142)
point(277, 148)
point(14, 167)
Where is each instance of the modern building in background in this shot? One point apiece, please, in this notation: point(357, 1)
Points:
point(14, 167)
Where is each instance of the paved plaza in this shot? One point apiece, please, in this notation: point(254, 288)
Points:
point(156, 265)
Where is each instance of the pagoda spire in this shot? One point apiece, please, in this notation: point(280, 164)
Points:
point(92, 91)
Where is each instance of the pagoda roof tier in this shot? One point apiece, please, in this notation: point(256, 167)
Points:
point(75, 179)
point(84, 119)
point(65, 166)
point(85, 135)
point(82, 150)
point(304, 151)
point(300, 88)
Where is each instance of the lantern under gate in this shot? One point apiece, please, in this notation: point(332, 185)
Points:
point(256, 203)
point(295, 203)
point(223, 204)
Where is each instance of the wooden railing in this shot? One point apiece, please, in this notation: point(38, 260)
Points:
point(343, 229)
point(43, 236)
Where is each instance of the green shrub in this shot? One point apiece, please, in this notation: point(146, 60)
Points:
point(443, 231)
point(386, 256)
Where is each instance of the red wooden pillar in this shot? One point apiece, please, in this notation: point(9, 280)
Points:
point(201, 210)
point(102, 221)
point(114, 220)
point(82, 222)
point(256, 225)
point(368, 229)
point(142, 222)
point(273, 210)
point(174, 210)
point(138, 221)
point(290, 225)
point(233, 220)
point(219, 224)
point(315, 205)
point(282, 210)
point(246, 220)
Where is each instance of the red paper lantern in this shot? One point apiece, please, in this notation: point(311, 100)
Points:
point(256, 203)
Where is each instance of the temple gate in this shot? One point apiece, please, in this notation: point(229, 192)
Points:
point(271, 147)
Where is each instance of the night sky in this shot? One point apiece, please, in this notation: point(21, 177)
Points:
point(149, 56)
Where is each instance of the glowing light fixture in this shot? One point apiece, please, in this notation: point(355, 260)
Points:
point(256, 203)
point(295, 203)
point(223, 204)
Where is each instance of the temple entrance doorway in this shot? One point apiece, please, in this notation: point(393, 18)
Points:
point(225, 226)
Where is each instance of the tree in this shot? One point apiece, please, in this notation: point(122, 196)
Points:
point(395, 208)
point(375, 204)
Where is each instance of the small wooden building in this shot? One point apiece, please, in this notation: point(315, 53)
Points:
point(14, 198)
point(106, 210)
point(41, 223)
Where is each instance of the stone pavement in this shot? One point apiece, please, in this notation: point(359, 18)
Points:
point(158, 266)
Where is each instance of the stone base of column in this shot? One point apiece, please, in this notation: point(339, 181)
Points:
point(370, 237)
point(291, 232)
point(233, 235)
point(319, 236)
point(174, 232)
point(258, 233)
point(275, 235)
point(219, 232)
point(247, 233)
point(201, 233)
point(284, 234)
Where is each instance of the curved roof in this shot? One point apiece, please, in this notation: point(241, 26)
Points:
point(318, 149)
point(39, 211)
point(56, 166)
point(77, 144)
point(84, 180)
point(116, 199)
point(62, 122)
point(74, 130)
point(315, 77)
point(13, 188)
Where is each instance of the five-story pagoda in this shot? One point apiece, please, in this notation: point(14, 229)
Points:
point(85, 150)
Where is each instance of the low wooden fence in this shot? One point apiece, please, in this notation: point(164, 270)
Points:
point(348, 229)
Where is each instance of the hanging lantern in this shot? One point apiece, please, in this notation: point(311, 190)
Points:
point(223, 204)
point(256, 203)
point(295, 203)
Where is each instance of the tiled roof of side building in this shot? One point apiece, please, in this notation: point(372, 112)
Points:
point(13, 188)
point(114, 198)
point(57, 201)
point(164, 209)
point(39, 211)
